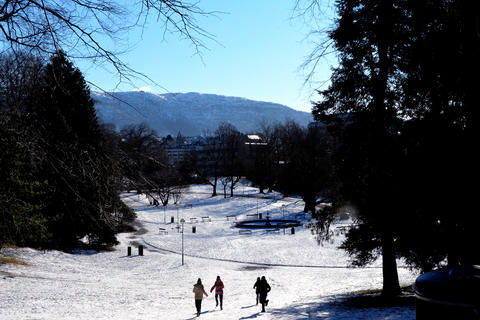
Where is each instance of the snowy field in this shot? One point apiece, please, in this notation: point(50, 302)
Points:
point(307, 280)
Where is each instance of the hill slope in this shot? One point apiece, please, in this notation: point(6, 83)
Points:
point(190, 113)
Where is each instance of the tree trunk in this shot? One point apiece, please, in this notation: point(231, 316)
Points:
point(309, 206)
point(391, 285)
point(309, 203)
point(214, 185)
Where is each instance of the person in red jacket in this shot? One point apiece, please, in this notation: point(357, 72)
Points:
point(218, 286)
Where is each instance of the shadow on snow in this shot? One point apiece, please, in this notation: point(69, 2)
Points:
point(336, 308)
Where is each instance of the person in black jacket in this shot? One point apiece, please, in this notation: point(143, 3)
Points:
point(264, 289)
point(257, 291)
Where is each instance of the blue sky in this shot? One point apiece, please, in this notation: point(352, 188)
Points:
point(258, 56)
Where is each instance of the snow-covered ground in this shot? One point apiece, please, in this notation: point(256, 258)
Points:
point(307, 280)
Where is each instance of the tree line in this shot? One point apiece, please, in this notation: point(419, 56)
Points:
point(287, 158)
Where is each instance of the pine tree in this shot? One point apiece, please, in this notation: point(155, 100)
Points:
point(361, 97)
point(442, 106)
point(22, 221)
point(402, 106)
point(80, 200)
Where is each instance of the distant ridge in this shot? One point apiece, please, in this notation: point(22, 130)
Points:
point(190, 113)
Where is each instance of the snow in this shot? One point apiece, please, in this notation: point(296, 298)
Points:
point(307, 280)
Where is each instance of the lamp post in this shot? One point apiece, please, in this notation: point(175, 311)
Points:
point(164, 216)
point(283, 215)
point(182, 222)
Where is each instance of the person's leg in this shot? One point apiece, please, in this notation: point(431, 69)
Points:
point(198, 306)
point(221, 302)
point(216, 299)
point(262, 301)
point(258, 297)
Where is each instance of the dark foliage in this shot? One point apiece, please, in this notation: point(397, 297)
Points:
point(56, 165)
point(360, 106)
point(402, 108)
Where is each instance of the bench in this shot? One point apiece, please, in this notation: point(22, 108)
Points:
point(231, 217)
point(244, 231)
point(193, 220)
point(206, 219)
point(253, 215)
point(272, 230)
point(162, 231)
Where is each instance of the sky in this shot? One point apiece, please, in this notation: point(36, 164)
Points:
point(257, 53)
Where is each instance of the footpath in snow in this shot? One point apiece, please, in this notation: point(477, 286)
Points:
point(307, 280)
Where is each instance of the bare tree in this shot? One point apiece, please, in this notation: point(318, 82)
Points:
point(19, 75)
point(318, 17)
point(95, 29)
point(207, 165)
point(231, 141)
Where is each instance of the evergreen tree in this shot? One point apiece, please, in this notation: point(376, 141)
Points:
point(80, 198)
point(402, 106)
point(368, 38)
point(58, 181)
point(441, 71)
point(21, 193)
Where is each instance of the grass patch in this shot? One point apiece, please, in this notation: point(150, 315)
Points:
point(373, 299)
point(405, 290)
point(11, 260)
point(9, 246)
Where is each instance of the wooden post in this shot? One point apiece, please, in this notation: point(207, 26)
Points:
point(129, 251)
point(172, 219)
point(194, 229)
point(293, 230)
point(140, 250)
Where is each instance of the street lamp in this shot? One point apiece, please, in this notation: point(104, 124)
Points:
point(182, 222)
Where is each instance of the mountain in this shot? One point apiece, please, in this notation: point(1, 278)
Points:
point(190, 113)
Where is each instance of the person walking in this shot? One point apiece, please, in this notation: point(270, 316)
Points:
point(218, 286)
point(257, 289)
point(199, 291)
point(264, 289)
